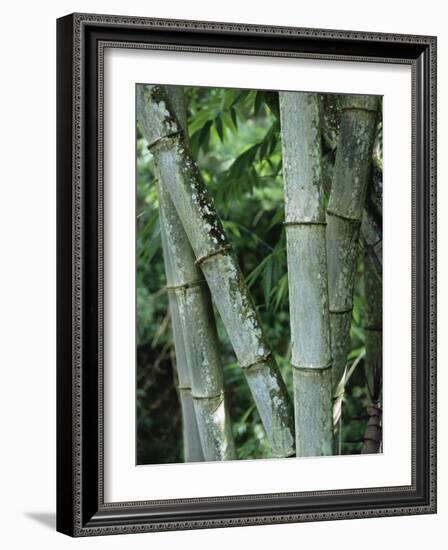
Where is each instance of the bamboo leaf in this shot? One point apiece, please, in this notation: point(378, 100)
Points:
point(277, 218)
point(257, 271)
point(267, 279)
point(272, 101)
point(258, 102)
point(228, 122)
point(280, 291)
point(153, 244)
point(234, 116)
point(229, 97)
point(199, 120)
point(219, 128)
point(204, 136)
point(241, 96)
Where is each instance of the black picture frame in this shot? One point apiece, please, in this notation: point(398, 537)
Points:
point(81, 510)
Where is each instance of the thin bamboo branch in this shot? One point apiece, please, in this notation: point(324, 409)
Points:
point(180, 176)
point(307, 272)
point(344, 212)
point(190, 299)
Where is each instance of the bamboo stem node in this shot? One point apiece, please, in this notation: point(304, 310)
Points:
point(210, 397)
point(303, 222)
point(201, 259)
point(310, 369)
point(162, 140)
point(352, 108)
point(341, 311)
point(354, 221)
point(173, 288)
point(259, 361)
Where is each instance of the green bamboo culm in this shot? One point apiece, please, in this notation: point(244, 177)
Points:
point(372, 220)
point(373, 364)
point(190, 301)
point(180, 176)
point(192, 446)
point(344, 213)
point(373, 243)
point(307, 272)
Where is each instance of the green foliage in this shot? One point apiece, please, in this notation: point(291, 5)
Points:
point(235, 138)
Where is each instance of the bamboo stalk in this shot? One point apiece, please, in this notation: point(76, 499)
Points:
point(371, 223)
point(190, 298)
point(374, 356)
point(180, 176)
point(373, 243)
point(307, 272)
point(198, 332)
point(191, 441)
point(344, 212)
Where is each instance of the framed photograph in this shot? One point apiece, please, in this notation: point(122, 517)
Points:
point(246, 274)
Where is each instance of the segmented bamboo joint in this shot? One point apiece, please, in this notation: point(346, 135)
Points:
point(206, 257)
point(304, 222)
point(162, 140)
point(365, 109)
point(201, 397)
point(259, 361)
point(354, 221)
point(309, 369)
point(340, 311)
point(173, 288)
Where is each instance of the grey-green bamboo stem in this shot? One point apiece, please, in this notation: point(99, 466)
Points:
point(191, 299)
point(180, 176)
point(307, 272)
point(191, 441)
point(373, 329)
point(371, 228)
point(188, 291)
point(346, 204)
point(373, 243)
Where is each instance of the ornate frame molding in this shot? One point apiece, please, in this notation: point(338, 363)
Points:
point(81, 42)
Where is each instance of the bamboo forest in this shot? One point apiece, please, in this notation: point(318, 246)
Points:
point(258, 274)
